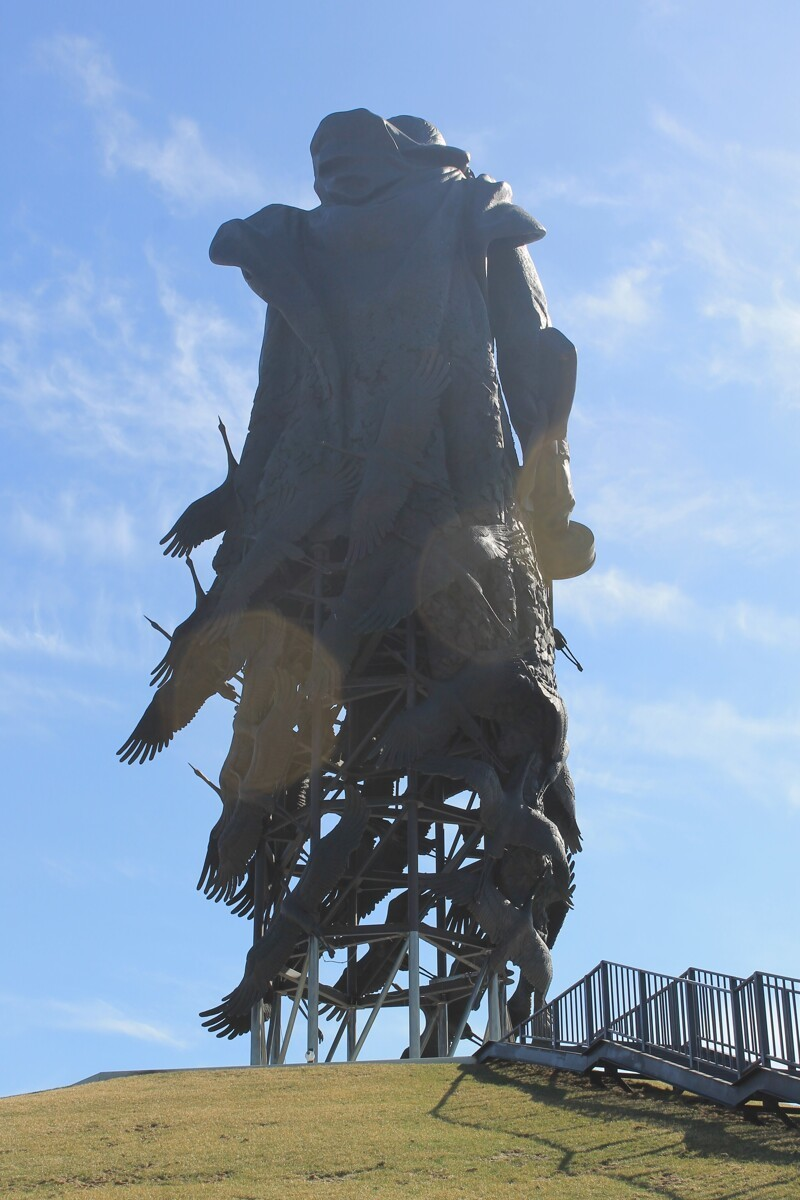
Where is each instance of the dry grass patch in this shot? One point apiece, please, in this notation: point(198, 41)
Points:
point(398, 1130)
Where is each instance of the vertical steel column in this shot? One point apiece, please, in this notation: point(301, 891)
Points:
point(314, 809)
point(413, 864)
point(494, 1032)
point(257, 1042)
point(274, 1037)
point(442, 1030)
point(351, 1016)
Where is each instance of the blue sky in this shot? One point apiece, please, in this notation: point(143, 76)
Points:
point(658, 143)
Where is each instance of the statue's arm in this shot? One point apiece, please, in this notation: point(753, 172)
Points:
point(537, 364)
point(263, 247)
point(269, 411)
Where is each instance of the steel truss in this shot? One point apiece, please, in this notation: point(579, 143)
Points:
point(402, 946)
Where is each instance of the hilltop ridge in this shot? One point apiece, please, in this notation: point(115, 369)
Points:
point(437, 1131)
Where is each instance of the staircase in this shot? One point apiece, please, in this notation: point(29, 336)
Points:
point(724, 1038)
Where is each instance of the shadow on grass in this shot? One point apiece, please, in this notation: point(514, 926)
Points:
point(698, 1130)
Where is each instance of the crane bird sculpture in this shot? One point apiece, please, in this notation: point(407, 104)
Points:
point(382, 598)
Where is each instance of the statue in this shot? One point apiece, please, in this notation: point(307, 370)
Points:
point(382, 585)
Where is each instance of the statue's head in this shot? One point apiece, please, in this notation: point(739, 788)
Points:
point(419, 130)
point(358, 155)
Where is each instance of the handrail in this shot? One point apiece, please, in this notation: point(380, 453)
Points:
point(719, 1024)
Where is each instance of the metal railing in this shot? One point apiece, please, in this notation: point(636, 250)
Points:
point(719, 1024)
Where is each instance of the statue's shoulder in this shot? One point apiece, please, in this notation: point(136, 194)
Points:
point(276, 223)
point(276, 218)
point(495, 216)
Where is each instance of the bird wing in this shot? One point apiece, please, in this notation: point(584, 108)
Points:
point(496, 915)
point(171, 709)
point(243, 902)
point(392, 856)
point(328, 860)
point(512, 934)
point(461, 886)
point(416, 731)
point(389, 859)
point(411, 409)
point(477, 545)
point(175, 704)
point(277, 541)
point(373, 965)
point(382, 494)
point(180, 645)
point(266, 958)
point(274, 737)
point(394, 602)
point(478, 776)
point(532, 829)
point(559, 804)
point(206, 517)
point(391, 464)
point(237, 844)
point(207, 883)
point(383, 587)
point(519, 1004)
point(202, 520)
point(531, 955)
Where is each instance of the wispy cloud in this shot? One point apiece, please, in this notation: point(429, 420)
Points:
point(91, 874)
point(757, 752)
point(641, 484)
point(733, 209)
point(619, 308)
point(101, 629)
point(612, 596)
point(35, 640)
point(639, 506)
point(90, 1015)
point(30, 700)
point(179, 162)
point(77, 523)
point(726, 212)
point(691, 740)
point(574, 190)
point(98, 1016)
point(93, 370)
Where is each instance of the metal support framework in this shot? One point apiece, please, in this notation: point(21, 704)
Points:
point(393, 944)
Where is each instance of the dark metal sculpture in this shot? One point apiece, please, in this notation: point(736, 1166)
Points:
point(383, 595)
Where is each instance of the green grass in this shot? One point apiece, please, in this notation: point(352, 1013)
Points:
point(396, 1130)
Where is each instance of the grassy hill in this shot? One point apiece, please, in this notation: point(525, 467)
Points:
point(388, 1130)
